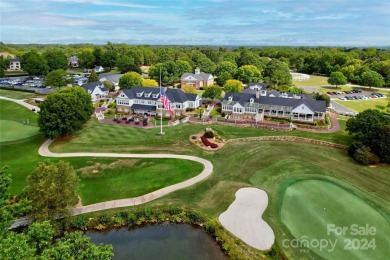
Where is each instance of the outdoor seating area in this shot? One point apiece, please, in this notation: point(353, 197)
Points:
point(137, 120)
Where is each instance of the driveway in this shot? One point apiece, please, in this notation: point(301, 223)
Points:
point(342, 110)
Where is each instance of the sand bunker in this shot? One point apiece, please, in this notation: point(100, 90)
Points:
point(243, 218)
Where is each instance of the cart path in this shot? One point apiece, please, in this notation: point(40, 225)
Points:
point(207, 170)
point(21, 102)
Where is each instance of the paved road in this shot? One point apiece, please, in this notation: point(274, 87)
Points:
point(207, 170)
point(340, 109)
point(21, 102)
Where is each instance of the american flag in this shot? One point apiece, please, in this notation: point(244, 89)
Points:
point(165, 101)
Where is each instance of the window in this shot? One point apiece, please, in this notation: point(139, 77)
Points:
point(155, 95)
point(149, 102)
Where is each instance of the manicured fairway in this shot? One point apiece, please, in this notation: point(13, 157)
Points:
point(12, 111)
point(12, 131)
point(131, 178)
point(308, 208)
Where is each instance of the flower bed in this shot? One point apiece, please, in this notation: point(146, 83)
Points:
point(206, 142)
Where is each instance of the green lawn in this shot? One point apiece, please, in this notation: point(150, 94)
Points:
point(315, 81)
point(361, 105)
point(109, 137)
point(12, 131)
point(310, 206)
point(11, 111)
point(15, 94)
point(131, 178)
point(272, 166)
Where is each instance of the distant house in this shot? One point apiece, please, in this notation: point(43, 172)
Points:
point(96, 90)
point(14, 64)
point(258, 104)
point(147, 100)
point(73, 62)
point(99, 69)
point(113, 78)
point(198, 79)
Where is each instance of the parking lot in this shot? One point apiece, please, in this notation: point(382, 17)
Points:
point(354, 95)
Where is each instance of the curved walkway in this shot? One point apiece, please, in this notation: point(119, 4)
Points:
point(21, 102)
point(208, 169)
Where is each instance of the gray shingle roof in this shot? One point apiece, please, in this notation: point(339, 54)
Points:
point(144, 107)
point(174, 95)
point(14, 60)
point(242, 98)
point(92, 85)
point(113, 78)
point(200, 76)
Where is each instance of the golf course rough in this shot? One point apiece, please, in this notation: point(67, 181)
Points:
point(333, 222)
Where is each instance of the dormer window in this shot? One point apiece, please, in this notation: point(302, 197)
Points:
point(251, 100)
point(155, 95)
point(147, 95)
point(139, 94)
point(230, 98)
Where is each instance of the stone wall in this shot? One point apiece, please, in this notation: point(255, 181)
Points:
point(211, 122)
point(288, 138)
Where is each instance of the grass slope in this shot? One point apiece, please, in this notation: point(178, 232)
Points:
point(15, 94)
point(107, 137)
point(12, 131)
point(361, 105)
point(12, 111)
point(132, 178)
point(315, 81)
point(310, 206)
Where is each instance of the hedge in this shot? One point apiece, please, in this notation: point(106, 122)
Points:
point(17, 89)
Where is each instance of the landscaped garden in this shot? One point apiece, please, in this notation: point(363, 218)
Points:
point(272, 166)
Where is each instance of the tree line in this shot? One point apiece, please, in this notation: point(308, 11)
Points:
point(224, 63)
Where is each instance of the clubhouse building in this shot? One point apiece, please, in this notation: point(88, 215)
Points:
point(259, 103)
point(147, 100)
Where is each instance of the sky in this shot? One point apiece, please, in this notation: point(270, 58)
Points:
point(197, 22)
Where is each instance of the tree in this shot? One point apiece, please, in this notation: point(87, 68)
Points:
point(87, 59)
point(372, 79)
point(126, 64)
point(130, 80)
point(98, 53)
point(226, 67)
point(56, 59)
point(170, 72)
point(362, 126)
point(4, 64)
point(187, 88)
point(221, 80)
point(52, 189)
point(93, 77)
point(233, 85)
point(319, 96)
point(206, 65)
point(277, 73)
point(379, 142)
point(149, 83)
point(212, 92)
point(109, 58)
point(248, 73)
point(183, 67)
point(249, 58)
point(56, 78)
point(34, 64)
point(337, 78)
point(65, 112)
point(109, 85)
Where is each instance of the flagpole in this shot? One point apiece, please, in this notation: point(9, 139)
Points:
point(161, 132)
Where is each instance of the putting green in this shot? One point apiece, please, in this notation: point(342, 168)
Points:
point(13, 131)
point(315, 211)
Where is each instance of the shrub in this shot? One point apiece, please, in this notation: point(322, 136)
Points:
point(363, 155)
point(353, 147)
point(131, 219)
point(80, 222)
point(208, 134)
point(223, 114)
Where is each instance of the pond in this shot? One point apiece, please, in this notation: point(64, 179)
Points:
point(172, 241)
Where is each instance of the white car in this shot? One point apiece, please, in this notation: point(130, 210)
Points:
point(342, 98)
